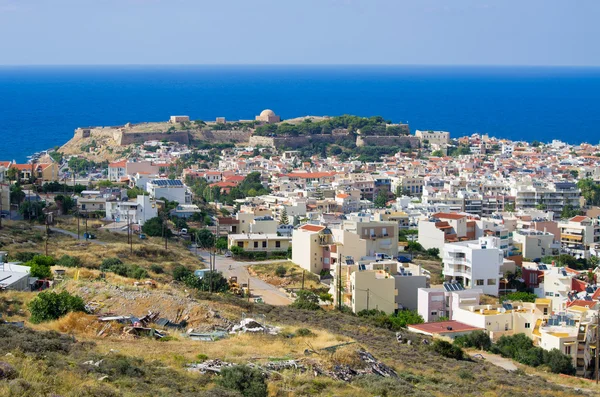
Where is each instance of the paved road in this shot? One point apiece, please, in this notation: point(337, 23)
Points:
point(230, 267)
point(497, 360)
point(71, 234)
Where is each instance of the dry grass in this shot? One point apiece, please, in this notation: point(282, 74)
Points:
point(291, 279)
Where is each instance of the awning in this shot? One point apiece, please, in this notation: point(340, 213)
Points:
point(571, 237)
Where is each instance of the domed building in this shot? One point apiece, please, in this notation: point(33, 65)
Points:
point(268, 116)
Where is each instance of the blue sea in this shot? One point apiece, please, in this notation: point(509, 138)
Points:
point(41, 106)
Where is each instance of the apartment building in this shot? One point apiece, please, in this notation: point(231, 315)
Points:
point(259, 242)
point(434, 137)
point(313, 245)
point(169, 189)
point(436, 303)
point(535, 244)
point(578, 234)
point(531, 194)
point(474, 264)
point(137, 211)
point(441, 228)
point(400, 217)
point(376, 237)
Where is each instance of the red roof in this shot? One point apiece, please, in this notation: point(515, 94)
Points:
point(224, 184)
point(578, 218)
point(308, 175)
point(342, 195)
point(582, 303)
point(22, 167)
point(578, 285)
point(442, 327)
point(448, 215)
point(312, 228)
point(118, 164)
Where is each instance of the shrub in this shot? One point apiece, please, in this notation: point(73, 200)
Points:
point(109, 263)
point(24, 256)
point(51, 306)
point(304, 332)
point(153, 227)
point(435, 252)
point(477, 339)
point(519, 296)
point(280, 271)
point(558, 362)
point(158, 269)
point(447, 349)
point(181, 272)
point(40, 266)
point(248, 381)
point(306, 300)
point(69, 261)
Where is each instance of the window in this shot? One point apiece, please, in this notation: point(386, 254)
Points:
point(434, 313)
point(545, 311)
point(549, 294)
point(491, 281)
point(264, 244)
point(256, 244)
point(277, 244)
point(240, 244)
point(568, 350)
point(479, 282)
point(527, 325)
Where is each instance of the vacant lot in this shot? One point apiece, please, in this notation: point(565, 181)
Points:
point(292, 278)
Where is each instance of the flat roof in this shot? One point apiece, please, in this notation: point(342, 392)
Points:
point(441, 327)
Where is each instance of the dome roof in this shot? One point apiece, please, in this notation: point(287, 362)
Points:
point(267, 113)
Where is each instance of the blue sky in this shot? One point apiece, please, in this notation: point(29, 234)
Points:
point(433, 32)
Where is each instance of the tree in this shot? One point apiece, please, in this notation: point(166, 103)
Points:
point(519, 297)
point(477, 339)
point(250, 382)
point(574, 173)
point(221, 243)
point(181, 272)
point(12, 174)
point(40, 265)
point(509, 207)
point(569, 212)
point(205, 239)
point(32, 210)
point(69, 261)
point(65, 203)
point(437, 153)
point(306, 300)
point(447, 349)
point(382, 198)
point(535, 144)
point(153, 227)
point(17, 195)
point(284, 217)
point(435, 252)
point(49, 306)
point(558, 362)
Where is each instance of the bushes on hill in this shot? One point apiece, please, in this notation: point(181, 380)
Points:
point(49, 306)
point(40, 266)
point(250, 382)
point(153, 227)
point(520, 348)
point(69, 261)
point(519, 296)
point(115, 265)
point(447, 349)
point(306, 300)
point(181, 272)
point(394, 321)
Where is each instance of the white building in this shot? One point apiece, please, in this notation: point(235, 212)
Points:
point(169, 189)
point(137, 211)
point(475, 263)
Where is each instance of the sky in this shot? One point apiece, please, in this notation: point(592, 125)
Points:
point(413, 32)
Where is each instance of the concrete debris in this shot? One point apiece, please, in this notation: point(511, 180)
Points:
point(251, 325)
point(340, 372)
point(91, 362)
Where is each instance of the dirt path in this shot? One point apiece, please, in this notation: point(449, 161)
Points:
point(230, 267)
point(71, 234)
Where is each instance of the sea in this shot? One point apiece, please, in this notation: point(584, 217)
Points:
point(40, 106)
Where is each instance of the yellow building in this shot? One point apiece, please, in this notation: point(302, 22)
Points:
point(372, 289)
point(259, 242)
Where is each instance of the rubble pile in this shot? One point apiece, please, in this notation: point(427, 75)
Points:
point(339, 372)
point(251, 325)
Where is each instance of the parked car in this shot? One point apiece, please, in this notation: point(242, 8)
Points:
point(142, 236)
point(228, 254)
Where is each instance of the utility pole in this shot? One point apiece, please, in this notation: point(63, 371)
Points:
point(249, 289)
point(303, 271)
point(339, 280)
point(368, 293)
point(597, 346)
point(47, 233)
point(78, 231)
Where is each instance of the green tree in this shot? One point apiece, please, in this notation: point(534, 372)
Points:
point(153, 227)
point(574, 173)
point(569, 212)
point(221, 243)
point(65, 203)
point(205, 238)
point(437, 153)
point(181, 272)
point(17, 195)
point(32, 210)
point(448, 350)
point(12, 174)
point(509, 207)
point(306, 300)
point(382, 198)
point(47, 306)
point(476, 339)
point(519, 297)
point(69, 261)
point(558, 362)
point(434, 252)
point(284, 217)
point(250, 382)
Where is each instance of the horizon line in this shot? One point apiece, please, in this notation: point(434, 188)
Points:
point(483, 65)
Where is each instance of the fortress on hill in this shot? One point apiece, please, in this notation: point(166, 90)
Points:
point(182, 130)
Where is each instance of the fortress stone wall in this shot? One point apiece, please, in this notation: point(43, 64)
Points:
point(387, 141)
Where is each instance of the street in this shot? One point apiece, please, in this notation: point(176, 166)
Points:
point(230, 267)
